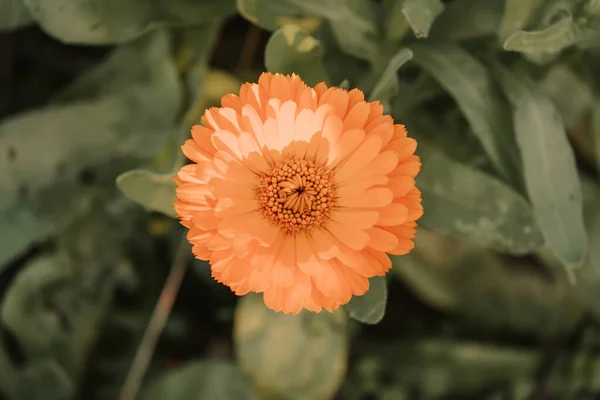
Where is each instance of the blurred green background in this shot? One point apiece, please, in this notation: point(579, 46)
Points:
point(499, 300)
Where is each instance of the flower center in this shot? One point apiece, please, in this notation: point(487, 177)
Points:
point(296, 195)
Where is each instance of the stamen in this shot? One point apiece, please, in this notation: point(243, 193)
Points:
point(297, 195)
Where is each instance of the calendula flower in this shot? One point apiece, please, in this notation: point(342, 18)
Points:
point(298, 193)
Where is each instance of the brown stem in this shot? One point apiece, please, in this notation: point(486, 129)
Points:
point(161, 312)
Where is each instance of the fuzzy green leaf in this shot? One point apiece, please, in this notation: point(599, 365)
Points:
point(370, 307)
point(596, 131)
point(292, 50)
point(45, 379)
point(468, 19)
point(516, 16)
point(210, 379)
point(126, 107)
point(571, 94)
point(13, 15)
point(112, 22)
point(469, 83)
point(421, 14)
point(461, 201)
point(549, 167)
point(153, 191)
point(352, 21)
point(267, 14)
point(387, 84)
point(571, 29)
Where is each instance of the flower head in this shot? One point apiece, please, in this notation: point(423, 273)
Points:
point(298, 193)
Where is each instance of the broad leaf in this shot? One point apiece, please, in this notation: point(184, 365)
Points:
point(268, 14)
point(572, 95)
point(210, 379)
point(370, 307)
point(45, 379)
point(573, 28)
point(464, 202)
point(112, 22)
point(468, 19)
point(516, 16)
point(153, 191)
point(387, 84)
point(472, 88)
point(549, 167)
point(396, 24)
point(124, 108)
point(352, 21)
point(23, 312)
point(588, 276)
point(8, 374)
point(291, 50)
point(13, 15)
point(596, 131)
point(268, 344)
point(421, 14)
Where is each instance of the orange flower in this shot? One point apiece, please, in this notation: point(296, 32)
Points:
point(298, 193)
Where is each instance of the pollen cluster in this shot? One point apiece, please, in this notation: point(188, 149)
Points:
point(297, 195)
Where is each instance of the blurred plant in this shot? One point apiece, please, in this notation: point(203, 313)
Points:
point(503, 99)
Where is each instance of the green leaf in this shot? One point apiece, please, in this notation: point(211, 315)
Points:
point(426, 282)
point(125, 108)
point(396, 24)
point(8, 374)
point(352, 23)
point(468, 19)
point(211, 379)
point(13, 15)
point(387, 84)
point(469, 83)
point(340, 65)
point(516, 16)
point(267, 14)
point(572, 96)
point(113, 22)
point(40, 188)
point(370, 307)
point(552, 39)
point(153, 191)
point(291, 50)
point(549, 167)
point(588, 276)
point(421, 14)
point(567, 31)
point(596, 131)
point(45, 380)
point(270, 344)
point(54, 311)
point(464, 202)
point(22, 310)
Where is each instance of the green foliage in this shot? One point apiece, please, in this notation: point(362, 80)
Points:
point(76, 21)
point(464, 202)
point(302, 356)
point(387, 84)
point(420, 15)
point(370, 308)
point(291, 50)
point(549, 168)
point(203, 380)
point(155, 192)
point(498, 299)
point(471, 86)
point(13, 14)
